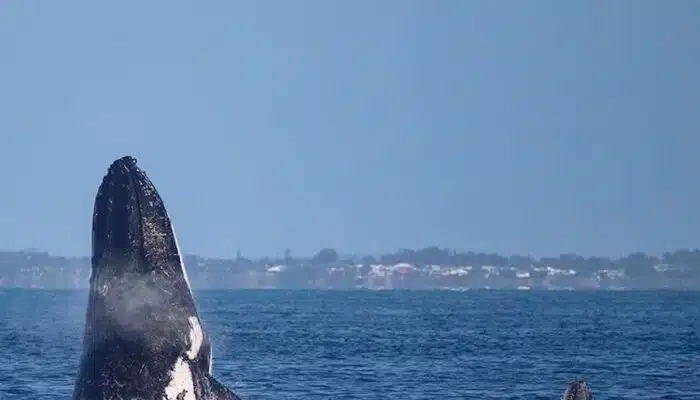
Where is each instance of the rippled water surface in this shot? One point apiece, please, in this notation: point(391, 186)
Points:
point(394, 344)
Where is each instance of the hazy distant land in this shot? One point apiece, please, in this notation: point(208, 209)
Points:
point(429, 268)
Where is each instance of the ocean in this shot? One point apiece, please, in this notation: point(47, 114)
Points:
point(313, 344)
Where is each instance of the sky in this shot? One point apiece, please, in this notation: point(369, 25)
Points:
point(539, 128)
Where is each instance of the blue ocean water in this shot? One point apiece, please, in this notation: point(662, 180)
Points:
point(394, 344)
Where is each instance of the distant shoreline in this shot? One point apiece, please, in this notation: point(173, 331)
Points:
point(428, 269)
point(322, 290)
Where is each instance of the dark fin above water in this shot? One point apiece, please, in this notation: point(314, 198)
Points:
point(578, 391)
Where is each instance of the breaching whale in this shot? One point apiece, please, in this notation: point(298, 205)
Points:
point(578, 391)
point(143, 336)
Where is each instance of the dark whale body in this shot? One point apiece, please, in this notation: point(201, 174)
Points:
point(578, 391)
point(143, 336)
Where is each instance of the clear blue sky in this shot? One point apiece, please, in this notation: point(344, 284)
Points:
point(517, 127)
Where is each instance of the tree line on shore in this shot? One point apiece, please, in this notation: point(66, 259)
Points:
point(329, 269)
point(634, 263)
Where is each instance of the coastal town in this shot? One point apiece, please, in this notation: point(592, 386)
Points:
point(428, 269)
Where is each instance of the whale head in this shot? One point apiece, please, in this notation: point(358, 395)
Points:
point(143, 335)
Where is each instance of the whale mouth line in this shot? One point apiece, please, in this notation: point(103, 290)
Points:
point(137, 205)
